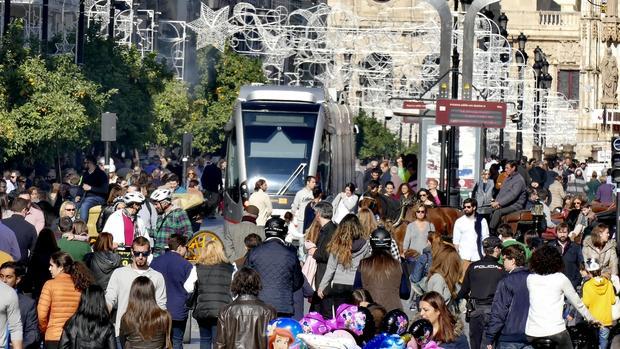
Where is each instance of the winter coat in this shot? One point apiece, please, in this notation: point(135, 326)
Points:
point(483, 195)
point(509, 310)
point(234, 236)
point(212, 289)
point(573, 259)
point(592, 188)
point(461, 338)
point(243, 323)
point(386, 290)
point(556, 190)
point(598, 296)
point(576, 185)
point(605, 193)
point(280, 272)
point(102, 264)
point(606, 257)
point(72, 339)
point(512, 193)
point(261, 200)
point(321, 256)
point(58, 302)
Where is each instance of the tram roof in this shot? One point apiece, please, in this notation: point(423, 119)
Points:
point(282, 93)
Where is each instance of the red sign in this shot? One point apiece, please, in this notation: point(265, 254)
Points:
point(414, 105)
point(455, 112)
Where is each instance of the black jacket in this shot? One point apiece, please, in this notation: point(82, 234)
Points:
point(25, 233)
point(212, 289)
point(573, 259)
point(102, 264)
point(30, 321)
point(481, 279)
point(321, 256)
point(72, 339)
point(243, 323)
point(280, 273)
point(510, 307)
point(98, 182)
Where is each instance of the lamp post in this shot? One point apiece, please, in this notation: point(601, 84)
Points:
point(538, 60)
point(502, 21)
point(521, 58)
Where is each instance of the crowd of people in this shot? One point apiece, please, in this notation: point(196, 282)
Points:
point(327, 266)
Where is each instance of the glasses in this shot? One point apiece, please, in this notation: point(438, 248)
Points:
point(420, 212)
point(141, 253)
point(423, 195)
point(70, 209)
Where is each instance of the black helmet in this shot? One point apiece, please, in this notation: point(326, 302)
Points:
point(276, 227)
point(380, 239)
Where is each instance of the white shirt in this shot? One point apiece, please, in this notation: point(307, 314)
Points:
point(298, 208)
point(464, 235)
point(547, 294)
point(343, 205)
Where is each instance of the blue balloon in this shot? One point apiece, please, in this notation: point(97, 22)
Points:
point(285, 323)
point(385, 341)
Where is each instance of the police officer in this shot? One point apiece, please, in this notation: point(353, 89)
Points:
point(479, 284)
point(280, 272)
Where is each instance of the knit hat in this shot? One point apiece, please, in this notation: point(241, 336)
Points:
point(592, 264)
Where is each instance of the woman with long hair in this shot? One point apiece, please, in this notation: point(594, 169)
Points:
point(212, 289)
point(404, 193)
point(447, 329)
point(548, 288)
point(103, 260)
point(345, 202)
point(416, 235)
point(260, 199)
point(368, 221)
point(599, 246)
point(425, 197)
point(38, 267)
point(60, 296)
point(381, 274)
point(90, 327)
point(144, 324)
point(445, 273)
point(346, 249)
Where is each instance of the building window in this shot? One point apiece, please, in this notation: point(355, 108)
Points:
point(568, 84)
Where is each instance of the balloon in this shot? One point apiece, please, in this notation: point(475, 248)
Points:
point(385, 341)
point(315, 341)
point(350, 318)
point(421, 331)
point(313, 323)
point(395, 322)
point(285, 327)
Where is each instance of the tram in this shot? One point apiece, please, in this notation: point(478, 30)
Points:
point(283, 134)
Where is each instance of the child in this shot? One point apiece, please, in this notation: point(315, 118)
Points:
point(598, 297)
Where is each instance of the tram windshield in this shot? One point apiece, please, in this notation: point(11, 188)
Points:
point(278, 145)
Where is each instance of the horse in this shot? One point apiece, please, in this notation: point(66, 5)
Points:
point(443, 219)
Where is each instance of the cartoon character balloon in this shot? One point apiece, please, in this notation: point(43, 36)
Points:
point(421, 331)
point(395, 322)
point(348, 317)
point(282, 333)
point(314, 323)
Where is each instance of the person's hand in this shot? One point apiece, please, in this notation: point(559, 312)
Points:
point(320, 294)
point(570, 317)
point(489, 346)
point(86, 187)
point(495, 204)
point(69, 236)
point(77, 199)
point(311, 251)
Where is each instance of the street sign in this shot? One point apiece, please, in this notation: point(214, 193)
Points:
point(414, 105)
point(455, 112)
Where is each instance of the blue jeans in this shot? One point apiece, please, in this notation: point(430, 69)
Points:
point(208, 333)
point(512, 345)
point(178, 330)
point(603, 337)
point(87, 203)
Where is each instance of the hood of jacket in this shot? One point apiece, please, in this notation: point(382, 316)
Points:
point(106, 261)
point(601, 285)
point(358, 247)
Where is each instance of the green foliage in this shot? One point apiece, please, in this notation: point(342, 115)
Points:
point(171, 108)
point(217, 92)
point(46, 105)
point(374, 140)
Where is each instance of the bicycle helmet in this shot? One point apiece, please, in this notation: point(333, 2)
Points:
point(276, 227)
point(134, 197)
point(380, 239)
point(161, 195)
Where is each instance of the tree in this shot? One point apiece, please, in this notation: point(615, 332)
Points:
point(374, 140)
point(217, 92)
point(47, 106)
point(171, 108)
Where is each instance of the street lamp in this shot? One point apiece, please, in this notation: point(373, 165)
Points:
point(521, 58)
point(502, 20)
point(540, 65)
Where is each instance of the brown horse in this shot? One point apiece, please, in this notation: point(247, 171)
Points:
point(443, 219)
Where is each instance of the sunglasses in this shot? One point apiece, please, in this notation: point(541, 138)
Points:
point(423, 195)
point(577, 203)
point(420, 212)
point(69, 209)
point(141, 254)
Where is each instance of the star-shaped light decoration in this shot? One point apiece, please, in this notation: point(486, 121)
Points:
point(64, 46)
point(212, 27)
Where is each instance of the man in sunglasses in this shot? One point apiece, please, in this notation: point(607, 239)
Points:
point(117, 293)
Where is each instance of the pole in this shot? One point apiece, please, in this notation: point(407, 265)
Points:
point(537, 113)
point(107, 157)
point(44, 24)
point(519, 150)
point(111, 22)
point(442, 171)
point(79, 48)
point(453, 139)
point(7, 16)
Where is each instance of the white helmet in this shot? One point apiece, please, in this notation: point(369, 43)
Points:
point(161, 194)
point(134, 197)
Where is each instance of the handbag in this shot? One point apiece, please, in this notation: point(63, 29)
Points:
point(615, 310)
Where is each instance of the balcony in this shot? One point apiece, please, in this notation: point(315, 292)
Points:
point(544, 23)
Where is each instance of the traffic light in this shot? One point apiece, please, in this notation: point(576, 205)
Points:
point(615, 159)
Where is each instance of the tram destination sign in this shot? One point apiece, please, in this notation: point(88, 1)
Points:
point(454, 112)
